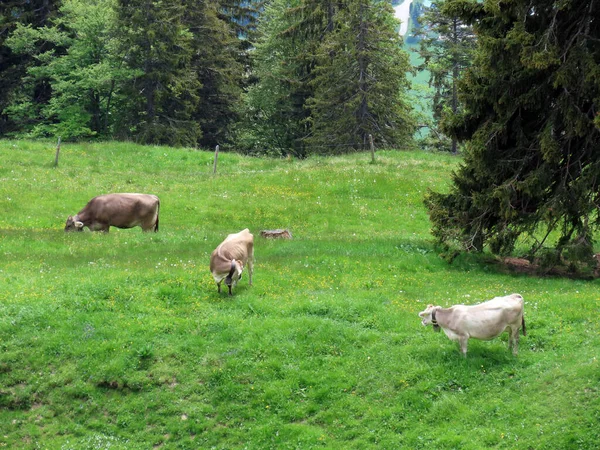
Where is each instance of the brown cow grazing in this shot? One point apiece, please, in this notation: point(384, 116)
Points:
point(228, 260)
point(485, 321)
point(117, 210)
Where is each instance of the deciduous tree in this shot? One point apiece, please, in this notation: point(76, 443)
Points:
point(13, 66)
point(76, 56)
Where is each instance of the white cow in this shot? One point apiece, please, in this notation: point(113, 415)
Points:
point(228, 260)
point(483, 321)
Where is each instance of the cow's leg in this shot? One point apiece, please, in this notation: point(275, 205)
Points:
point(509, 330)
point(219, 288)
point(97, 226)
point(250, 269)
point(515, 340)
point(230, 293)
point(150, 225)
point(463, 340)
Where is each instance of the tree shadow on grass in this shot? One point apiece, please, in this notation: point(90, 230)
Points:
point(518, 266)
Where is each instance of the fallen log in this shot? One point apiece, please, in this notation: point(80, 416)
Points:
point(276, 234)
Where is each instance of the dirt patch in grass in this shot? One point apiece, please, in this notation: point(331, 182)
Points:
point(513, 264)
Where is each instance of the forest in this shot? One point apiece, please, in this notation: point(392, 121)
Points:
point(257, 77)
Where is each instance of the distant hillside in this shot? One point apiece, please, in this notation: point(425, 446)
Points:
point(408, 12)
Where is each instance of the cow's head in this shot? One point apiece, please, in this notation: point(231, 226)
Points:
point(73, 224)
point(427, 316)
point(235, 273)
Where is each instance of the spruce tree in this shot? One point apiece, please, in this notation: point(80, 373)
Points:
point(447, 44)
point(269, 124)
point(276, 105)
point(531, 171)
point(219, 72)
point(164, 96)
point(242, 16)
point(312, 21)
point(360, 82)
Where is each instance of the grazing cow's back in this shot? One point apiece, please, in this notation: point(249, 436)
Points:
point(228, 260)
point(117, 210)
point(483, 321)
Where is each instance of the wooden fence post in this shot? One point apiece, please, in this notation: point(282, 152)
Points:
point(372, 148)
point(57, 153)
point(215, 163)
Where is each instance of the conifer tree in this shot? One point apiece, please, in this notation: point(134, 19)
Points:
point(531, 171)
point(360, 82)
point(242, 16)
point(269, 122)
point(285, 55)
point(312, 21)
point(165, 95)
point(447, 44)
point(219, 72)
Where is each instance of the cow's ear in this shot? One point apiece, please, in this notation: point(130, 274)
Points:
point(429, 306)
point(241, 264)
point(78, 224)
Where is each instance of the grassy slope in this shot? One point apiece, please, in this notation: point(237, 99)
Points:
point(121, 340)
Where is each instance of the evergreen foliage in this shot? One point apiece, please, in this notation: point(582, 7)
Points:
point(165, 94)
point(447, 44)
point(157, 71)
point(242, 17)
point(532, 128)
point(13, 66)
point(274, 105)
point(218, 69)
point(174, 71)
point(329, 75)
point(360, 82)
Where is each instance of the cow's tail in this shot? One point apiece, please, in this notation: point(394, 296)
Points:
point(157, 216)
point(229, 277)
point(523, 325)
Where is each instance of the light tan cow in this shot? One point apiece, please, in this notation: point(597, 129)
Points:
point(228, 260)
point(117, 210)
point(484, 321)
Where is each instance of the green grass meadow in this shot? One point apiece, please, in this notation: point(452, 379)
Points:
point(121, 341)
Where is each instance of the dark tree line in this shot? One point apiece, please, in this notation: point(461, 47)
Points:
point(156, 71)
point(200, 73)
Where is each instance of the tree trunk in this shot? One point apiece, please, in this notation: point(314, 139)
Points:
point(455, 74)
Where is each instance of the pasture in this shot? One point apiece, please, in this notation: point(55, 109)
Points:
point(120, 340)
